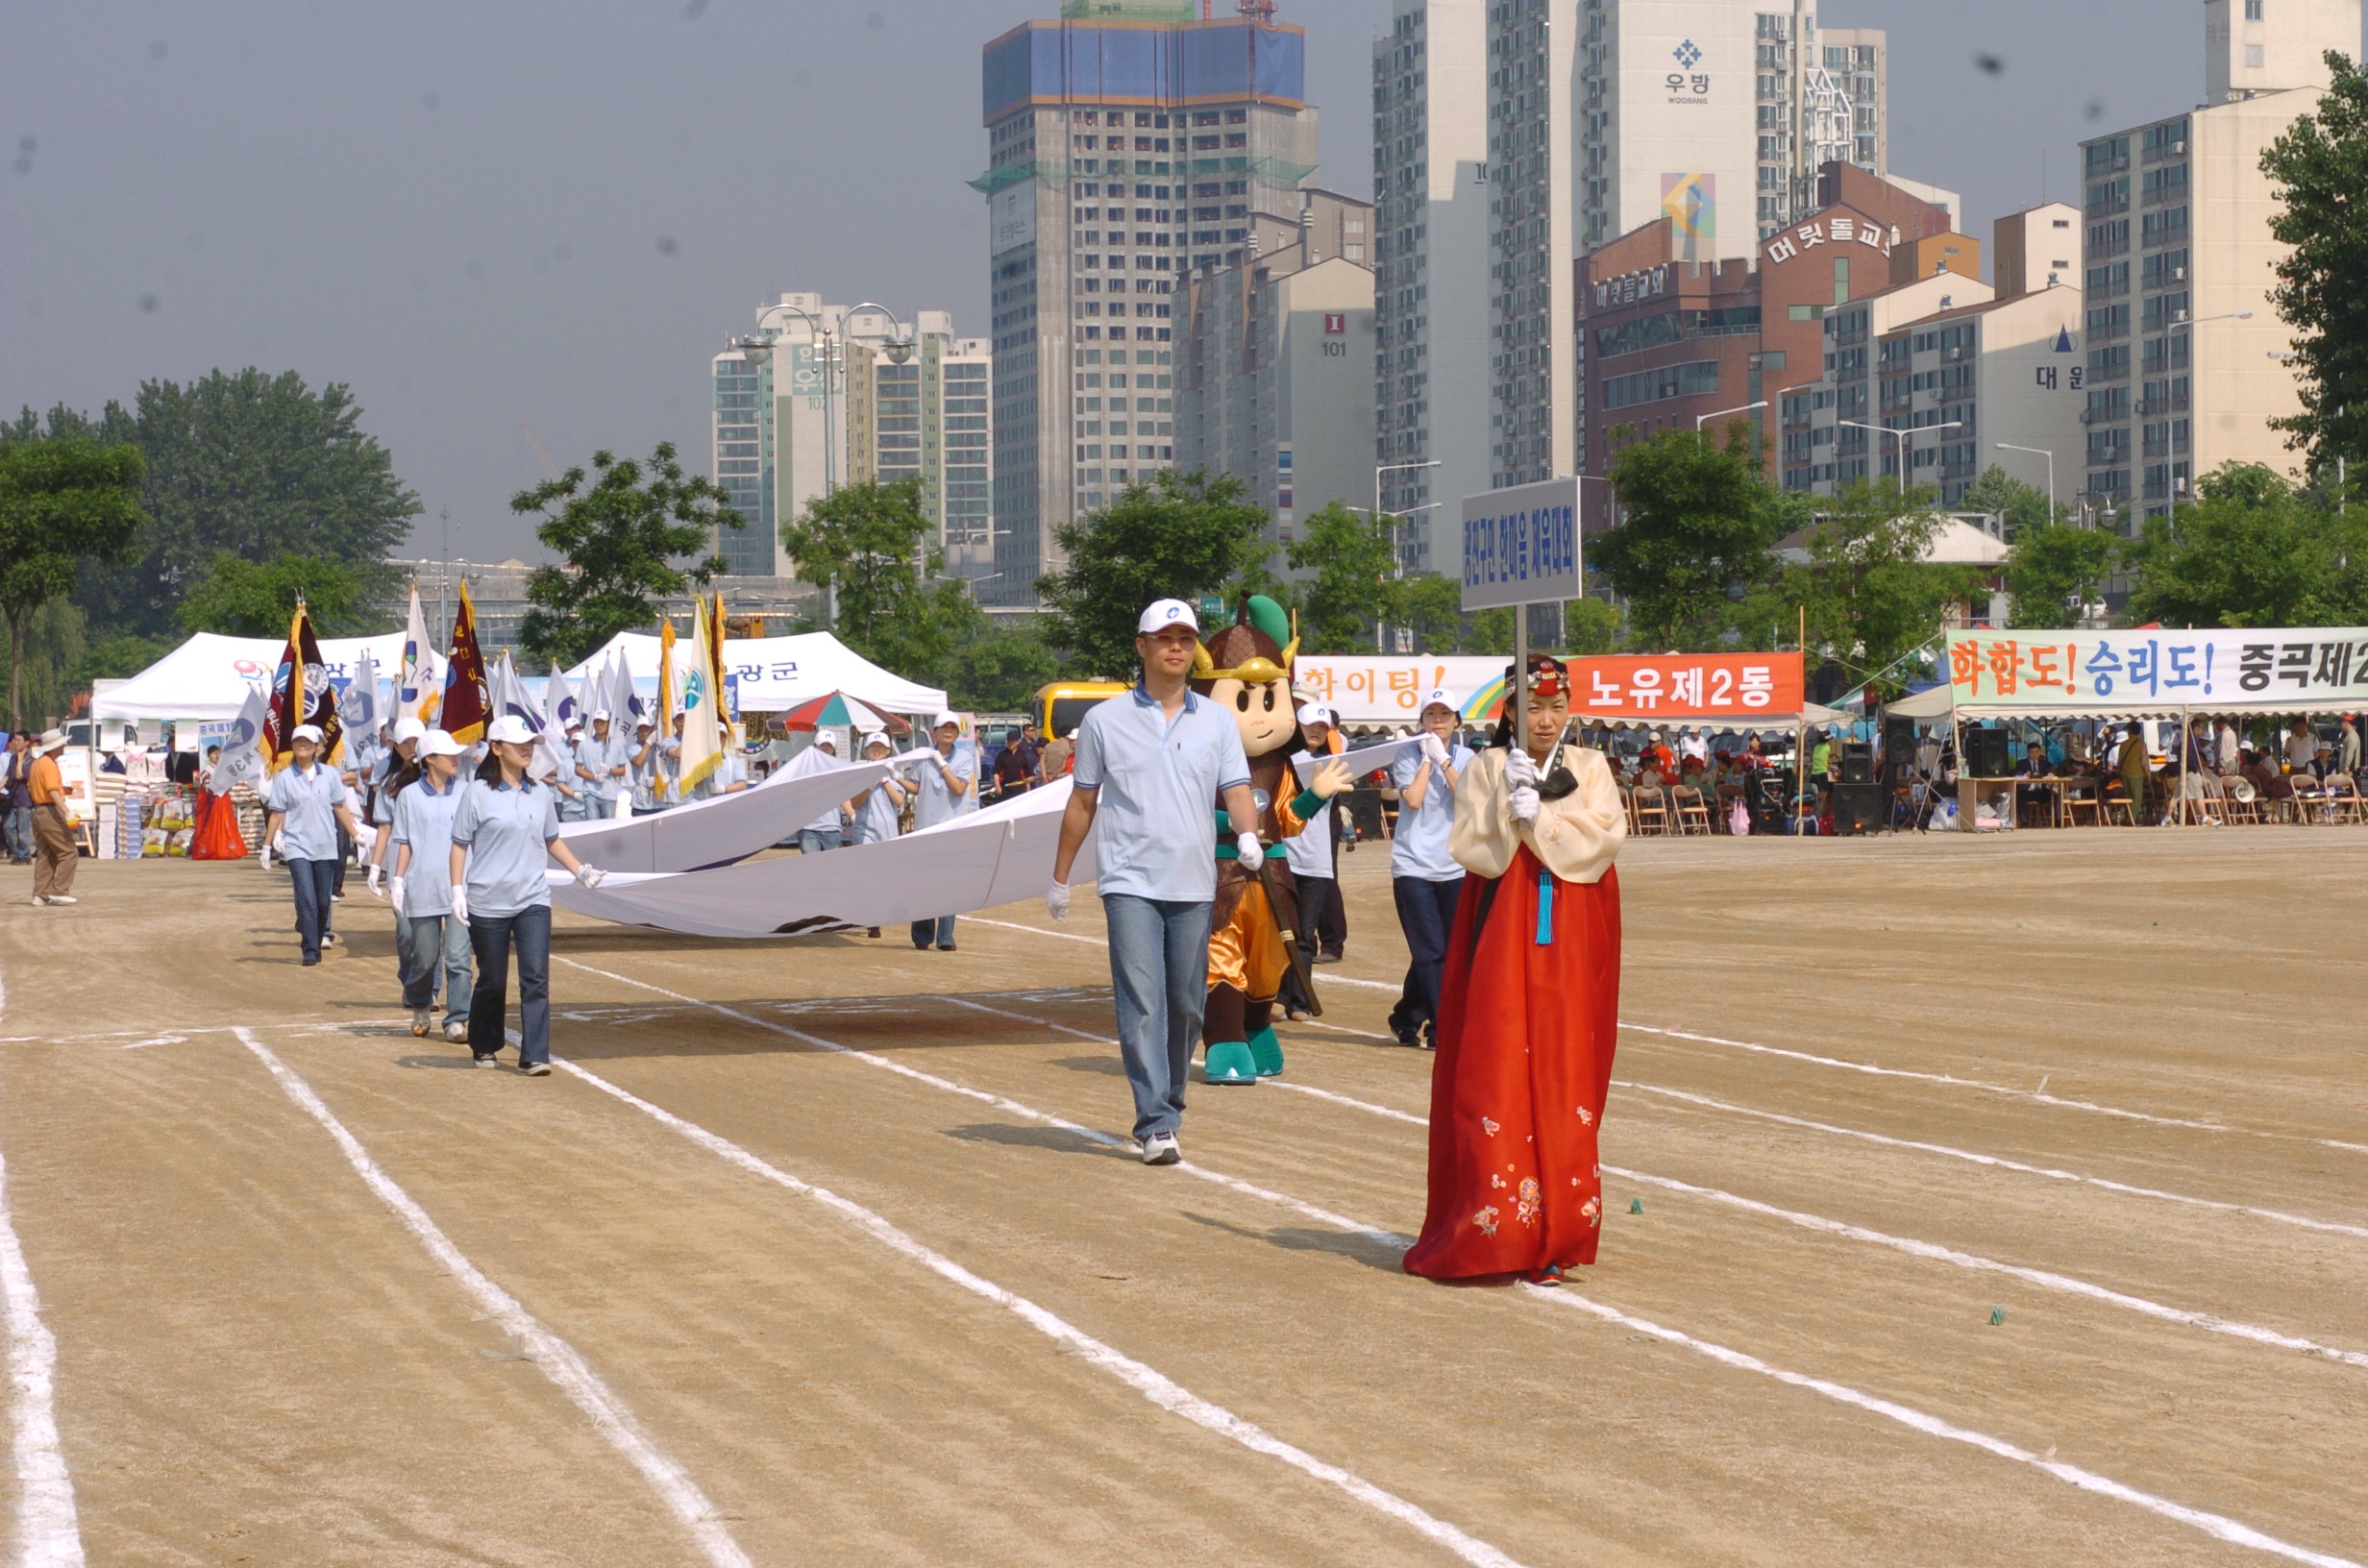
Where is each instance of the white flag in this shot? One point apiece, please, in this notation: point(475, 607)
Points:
point(417, 690)
point(359, 706)
point(558, 701)
point(241, 761)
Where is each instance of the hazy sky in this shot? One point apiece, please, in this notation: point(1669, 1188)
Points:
point(501, 211)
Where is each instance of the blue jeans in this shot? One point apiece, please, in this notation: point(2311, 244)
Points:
point(438, 942)
point(315, 880)
point(937, 933)
point(572, 810)
point(1159, 970)
point(813, 841)
point(1426, 912)
point(492, 936)
point(19, 825)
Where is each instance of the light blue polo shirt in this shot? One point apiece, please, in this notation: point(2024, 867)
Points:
point(1153, 836)
point(599, 756)
point(310, 801)
point(423, 818)
point(506, 831)
point(938, 803)
point(876, 820)
point(1420, 850)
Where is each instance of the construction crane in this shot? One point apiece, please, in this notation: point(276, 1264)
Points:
point(549, 466)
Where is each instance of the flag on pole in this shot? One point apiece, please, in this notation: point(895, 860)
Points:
point(510, 697)
point(558, 707)
point(726, 699)
point(665, 720)
point(702, 732)
point(301, 694)
point(416, 689)
point(467, 703)
point(241, 761)
point(620, 699)
point(361, 702)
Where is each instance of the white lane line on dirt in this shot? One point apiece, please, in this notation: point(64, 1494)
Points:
point(48, 1531)
point(2039, 1098)
point(1999, 1162)
point(1152, 1384)
point(1931, 1251)
point(2215, 1525)
point(556, 1359)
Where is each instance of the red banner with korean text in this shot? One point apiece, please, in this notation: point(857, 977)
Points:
point(1674, 688)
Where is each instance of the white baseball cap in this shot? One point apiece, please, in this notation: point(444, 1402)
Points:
point(944, 717)
point(599, 714)
point(1314, 713)
point(408, 728)
point(872, 738)
point(1440, 697)
point(309, 732)
point(828, 739)
point(511, 729)
point(437, 743)
point(1165, 613)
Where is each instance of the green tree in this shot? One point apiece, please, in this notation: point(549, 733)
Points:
point(866, 547)
point(1590, 626)
point(1433, 605)
point(239, 598)
point(2320, 166)
point(1696, 525)
point(1180, 536)
point(999, 670)
point(2249, 553)
point(1355, 586)
point(248, 464)
point(2025, 505)
point(621, 535)
point(64, 502)
point(2055, 569)
point(1870, 595)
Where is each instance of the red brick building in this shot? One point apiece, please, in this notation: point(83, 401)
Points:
point(1663, 342)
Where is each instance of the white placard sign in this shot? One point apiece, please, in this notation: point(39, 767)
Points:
point(1012, 216)
point(1521, 544)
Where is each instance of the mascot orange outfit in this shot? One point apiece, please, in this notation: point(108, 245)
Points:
point(1246, 668)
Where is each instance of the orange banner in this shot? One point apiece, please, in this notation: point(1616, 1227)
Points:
point(1675, 687)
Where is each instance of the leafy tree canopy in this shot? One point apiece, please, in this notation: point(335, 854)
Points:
point(1355, 587)
point(1871, 596)
point(241, 598)
point(2320, 166)
point(620, 534)
point(1180, 536)
point(867, 547)
point(64, 502)
point(2025, 505)
point(2251, 553)
point(2055, 571)
point(1697, 524)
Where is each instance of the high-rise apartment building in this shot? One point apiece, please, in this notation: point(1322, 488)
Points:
point(1271, 384)
point(1430, 268)
point(1128, 142)
point(2182, 372)
point(1607, 115)
point(821, 394)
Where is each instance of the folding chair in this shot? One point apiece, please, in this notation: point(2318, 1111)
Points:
point(1692, 815)
point(1651, 811)
point(2236, 799)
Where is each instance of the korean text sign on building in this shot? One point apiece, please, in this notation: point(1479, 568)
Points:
point(2269, 669)
point(1521, 545)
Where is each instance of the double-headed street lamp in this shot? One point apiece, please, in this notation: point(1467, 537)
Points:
point(1900, 453)
point(1700, 420)
point(757, 348)
point(2037, 451)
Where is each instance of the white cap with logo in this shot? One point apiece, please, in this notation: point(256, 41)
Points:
point(512, 729)
point(437, 743)
point(1314, 713)
point(410, 728)
point(309, 732)
point(1439, 697)
point(1164, 613)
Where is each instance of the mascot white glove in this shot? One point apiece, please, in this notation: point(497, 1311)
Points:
point(394, 893)
point(590, 876)
point(1433, 750)
point(460, 904)
point(375, 871)
point(1520, 770)
point(1248, 849)
point(1057, 901)
point(1524, 804)
point(265, 857)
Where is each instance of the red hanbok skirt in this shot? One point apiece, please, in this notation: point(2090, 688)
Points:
point(1527, 1022)
point(217, 836)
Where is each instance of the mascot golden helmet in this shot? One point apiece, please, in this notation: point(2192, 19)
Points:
point(1247, 668)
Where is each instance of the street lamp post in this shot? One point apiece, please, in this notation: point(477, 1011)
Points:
point(1700, 420)
point(1900, 452)
point(2040, 452)
point(1397, 560)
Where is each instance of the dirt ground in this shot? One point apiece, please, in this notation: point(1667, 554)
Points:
point(1998, 1202)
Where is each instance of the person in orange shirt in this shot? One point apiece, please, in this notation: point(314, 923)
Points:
point(53, 835)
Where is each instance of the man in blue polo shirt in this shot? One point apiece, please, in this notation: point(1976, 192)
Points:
point(1148, 765)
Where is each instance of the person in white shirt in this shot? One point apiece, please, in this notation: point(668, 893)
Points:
point(1424, 879)
point(829, 831)
point(2228, 750)
point(874, 813)
point(2302, 746)
point(424, 801)
point(1313, 853)
point(947, 783)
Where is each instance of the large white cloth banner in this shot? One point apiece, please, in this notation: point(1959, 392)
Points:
point(997, 856)
point(719, 830)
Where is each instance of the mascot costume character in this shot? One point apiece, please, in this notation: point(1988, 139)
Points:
point(1246, 668)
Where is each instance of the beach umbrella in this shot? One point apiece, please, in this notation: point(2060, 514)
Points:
point(838, 711)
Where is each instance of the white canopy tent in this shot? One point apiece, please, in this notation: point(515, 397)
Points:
point(208, 676)
point(776, 674)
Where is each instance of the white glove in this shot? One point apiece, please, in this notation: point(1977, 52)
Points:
point(394, 893)
point(265, 856)
point(1524, 801)
point(1433, 750)
point(375, 871)
point(1057, 901)
point(590, 876)
point(1248, 847)
point(1520, 769)
point(460, 904)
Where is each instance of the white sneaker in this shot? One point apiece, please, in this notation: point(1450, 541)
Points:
point(1160, 1149)
point(63, 898)
point(455, 1030)
point(39, 899)
point(419, 1024)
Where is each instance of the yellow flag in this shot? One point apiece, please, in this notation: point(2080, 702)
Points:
point(702, 730)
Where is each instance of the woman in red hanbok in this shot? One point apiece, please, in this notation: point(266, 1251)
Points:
point(1531, 1005)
